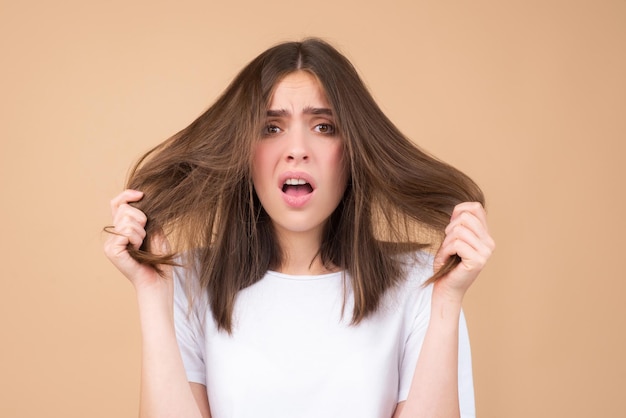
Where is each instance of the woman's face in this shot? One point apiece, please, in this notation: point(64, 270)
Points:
point(298, 169)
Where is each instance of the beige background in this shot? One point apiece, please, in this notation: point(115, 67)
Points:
point(528, 97)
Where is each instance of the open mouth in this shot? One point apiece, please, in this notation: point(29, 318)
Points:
point(297, 187)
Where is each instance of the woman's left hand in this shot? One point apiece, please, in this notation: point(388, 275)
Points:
point(466, 236)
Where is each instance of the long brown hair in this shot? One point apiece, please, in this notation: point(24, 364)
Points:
point(198, 189)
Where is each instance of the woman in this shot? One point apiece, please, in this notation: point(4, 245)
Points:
point(278, 249)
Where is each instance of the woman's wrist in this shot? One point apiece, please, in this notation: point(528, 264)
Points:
point(447, 294)
point(157, 298)
point(446, 305)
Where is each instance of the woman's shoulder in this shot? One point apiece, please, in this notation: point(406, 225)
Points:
point(186, 277)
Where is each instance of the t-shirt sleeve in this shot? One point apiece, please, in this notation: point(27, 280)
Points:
point(189, 334)
point(412, 349)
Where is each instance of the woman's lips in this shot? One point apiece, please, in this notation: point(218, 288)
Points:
point(297, 201)
point(297, 188)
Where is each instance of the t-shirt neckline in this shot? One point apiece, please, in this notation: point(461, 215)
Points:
point(304, 277)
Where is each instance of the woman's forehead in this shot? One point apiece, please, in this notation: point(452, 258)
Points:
point(299, 88)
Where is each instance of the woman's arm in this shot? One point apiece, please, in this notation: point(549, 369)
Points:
point(165, 391)
point(202, 399)
point(434, 388)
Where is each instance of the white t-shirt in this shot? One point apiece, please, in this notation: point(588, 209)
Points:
point(292, 353)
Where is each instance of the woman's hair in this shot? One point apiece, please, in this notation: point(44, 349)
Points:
point(198, 189)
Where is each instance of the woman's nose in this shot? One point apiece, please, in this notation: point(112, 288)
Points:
point(297, 147)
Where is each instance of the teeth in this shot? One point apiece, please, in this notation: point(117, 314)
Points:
point(295, 182)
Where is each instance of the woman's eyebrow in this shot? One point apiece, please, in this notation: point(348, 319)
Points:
point(317, 111)
point(280, 113)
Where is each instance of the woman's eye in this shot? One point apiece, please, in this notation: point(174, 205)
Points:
point(271, 130)
point(325, 128)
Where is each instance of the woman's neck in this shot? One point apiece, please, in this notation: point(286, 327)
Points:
point(301, 254)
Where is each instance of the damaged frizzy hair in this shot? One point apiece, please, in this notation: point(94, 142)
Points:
point(198, 189)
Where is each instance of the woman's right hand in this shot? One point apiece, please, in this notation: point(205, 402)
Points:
point(129, 228)
point(165, 390)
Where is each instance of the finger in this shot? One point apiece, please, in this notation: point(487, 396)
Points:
point(464, 243)
point(466, 220)
point(472, 231)
point(468, 227)
point(467, 246)
point(126, 196)
point(474, 208)
point(126, 213)
point(129, 230)
point(474, 219)
point(133, 232)
point(129, 223)
point(471, 259)
point(480, 240)
point(469, 209)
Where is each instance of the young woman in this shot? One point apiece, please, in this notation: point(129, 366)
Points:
point(281, 248)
